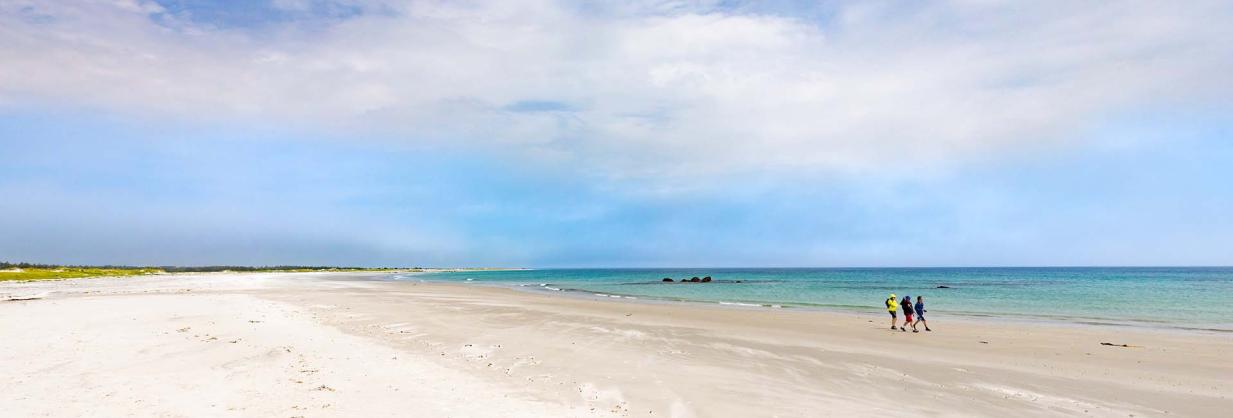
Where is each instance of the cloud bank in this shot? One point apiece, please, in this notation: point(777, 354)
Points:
point(652, 89)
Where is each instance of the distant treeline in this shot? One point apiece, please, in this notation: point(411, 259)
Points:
point(198, 269)
point(204, 269)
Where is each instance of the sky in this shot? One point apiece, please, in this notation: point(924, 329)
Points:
point(616, 134)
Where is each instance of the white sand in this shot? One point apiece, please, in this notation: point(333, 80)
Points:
point(326, 345)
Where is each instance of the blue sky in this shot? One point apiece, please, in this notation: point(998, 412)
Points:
point(548, 134)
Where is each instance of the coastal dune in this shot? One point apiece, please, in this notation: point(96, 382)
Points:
point(338, 345)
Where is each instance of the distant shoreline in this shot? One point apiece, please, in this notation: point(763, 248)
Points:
point(32, 271)
point(979, 318)
point(1112, 298)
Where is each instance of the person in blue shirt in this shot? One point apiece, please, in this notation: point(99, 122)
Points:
point(920, 314)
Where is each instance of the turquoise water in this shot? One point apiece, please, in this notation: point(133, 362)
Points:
point(1189, 298)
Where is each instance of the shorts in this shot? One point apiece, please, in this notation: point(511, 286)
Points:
point(907, 317)
point(920, 317)
point(893, 314)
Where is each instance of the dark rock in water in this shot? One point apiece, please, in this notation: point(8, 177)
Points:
point(694, 280)
point(738, 281)
point(706, 279)
point(943, 287)
point(666, 280)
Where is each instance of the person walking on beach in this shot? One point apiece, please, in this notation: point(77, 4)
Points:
point(920, 314)
point(892, 305)
point(907, 312)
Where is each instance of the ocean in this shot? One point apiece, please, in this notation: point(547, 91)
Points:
point(1191, 298)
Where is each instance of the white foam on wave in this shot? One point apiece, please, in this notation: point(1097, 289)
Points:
point(738, 303)
point(552, 288)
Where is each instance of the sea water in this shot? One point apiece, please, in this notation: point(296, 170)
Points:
point(1197, 298)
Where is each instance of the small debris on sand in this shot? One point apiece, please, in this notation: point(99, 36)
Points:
point(16, 299)
point(35, 296)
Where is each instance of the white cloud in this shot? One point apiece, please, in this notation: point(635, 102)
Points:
point(650, 89)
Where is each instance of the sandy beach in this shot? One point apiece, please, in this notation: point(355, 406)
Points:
point(284, 344)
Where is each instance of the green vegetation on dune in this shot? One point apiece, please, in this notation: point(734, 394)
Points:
point(207, 269)
point(41, 273)
point(28, 271)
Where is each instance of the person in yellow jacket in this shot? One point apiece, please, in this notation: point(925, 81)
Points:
point(892, 305)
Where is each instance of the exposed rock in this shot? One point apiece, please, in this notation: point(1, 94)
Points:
point(943, 287)
point(706, 279)
point(667, 280)
point(694, 279)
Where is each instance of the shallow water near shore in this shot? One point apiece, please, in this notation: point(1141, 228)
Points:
point(1195, 298)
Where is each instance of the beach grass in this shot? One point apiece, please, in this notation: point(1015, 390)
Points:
point(44, 273)
point(25, 271)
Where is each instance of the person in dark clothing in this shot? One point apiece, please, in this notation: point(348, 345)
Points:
point(907, 312)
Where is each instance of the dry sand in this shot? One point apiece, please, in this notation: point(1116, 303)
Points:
point(313, 345)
